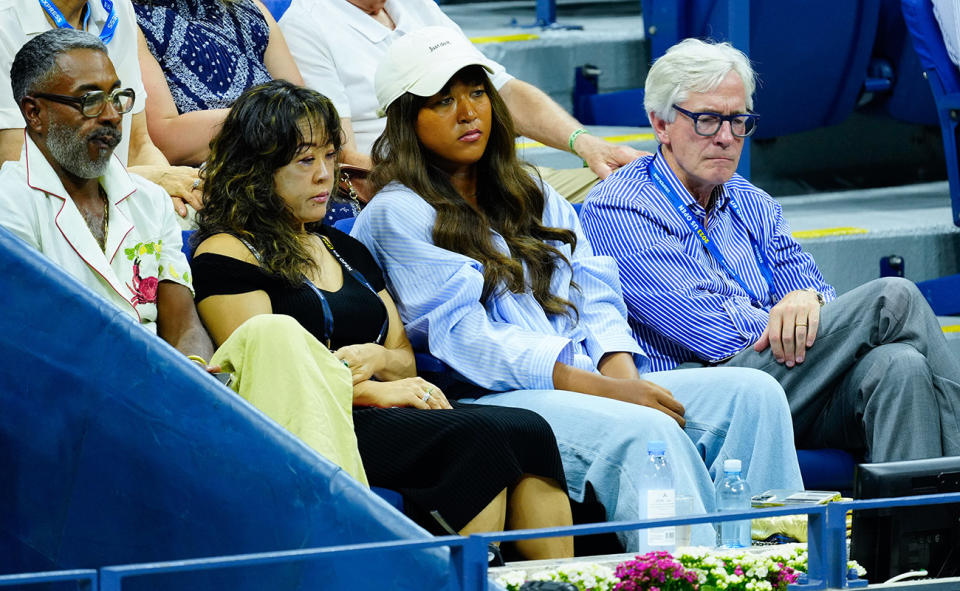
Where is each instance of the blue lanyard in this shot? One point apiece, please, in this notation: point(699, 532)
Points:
point(324, 304)
point(327, 314)
point(701, 233)
point(109, 28)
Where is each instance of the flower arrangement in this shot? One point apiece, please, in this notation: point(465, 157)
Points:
point(691, 570)
point(586, 576)
point(655, 571)
point(744, 571)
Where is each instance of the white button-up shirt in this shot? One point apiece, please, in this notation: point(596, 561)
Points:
point(508, 342)
point(143, 236)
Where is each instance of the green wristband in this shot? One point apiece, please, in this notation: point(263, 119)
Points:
point(573, 137)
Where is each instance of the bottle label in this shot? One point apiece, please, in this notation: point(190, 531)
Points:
point(661, 503)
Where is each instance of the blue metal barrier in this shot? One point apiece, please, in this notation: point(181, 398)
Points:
point(546, 18)
point(826, 548)
point(61, 576)
point(468, 559)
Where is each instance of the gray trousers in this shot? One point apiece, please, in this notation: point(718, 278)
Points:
point(880, 377)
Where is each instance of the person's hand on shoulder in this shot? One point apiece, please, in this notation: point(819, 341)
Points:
point(601, 156)
point(182, 183)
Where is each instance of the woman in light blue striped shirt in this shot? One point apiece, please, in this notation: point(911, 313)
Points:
point(493, 275)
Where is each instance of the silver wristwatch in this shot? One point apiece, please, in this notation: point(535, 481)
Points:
point(820, 299)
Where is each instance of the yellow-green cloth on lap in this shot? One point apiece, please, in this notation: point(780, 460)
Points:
point(289, 375)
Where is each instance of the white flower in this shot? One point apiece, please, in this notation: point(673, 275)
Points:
point(512, 580)
point(856, 565)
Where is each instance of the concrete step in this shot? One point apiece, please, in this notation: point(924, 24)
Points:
point(848, 232)
point(612, 38)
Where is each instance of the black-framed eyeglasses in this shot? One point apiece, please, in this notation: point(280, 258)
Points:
point(92, 103)
point(708, 124)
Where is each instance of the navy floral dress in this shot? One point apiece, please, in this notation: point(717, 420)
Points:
point(210, 51)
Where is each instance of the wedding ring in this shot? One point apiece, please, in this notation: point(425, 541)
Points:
point(800, 324)
point(196, 184)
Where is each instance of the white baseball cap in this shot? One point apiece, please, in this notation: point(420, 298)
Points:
point(422, 62)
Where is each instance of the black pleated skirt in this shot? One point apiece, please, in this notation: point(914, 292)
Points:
point(454, 461)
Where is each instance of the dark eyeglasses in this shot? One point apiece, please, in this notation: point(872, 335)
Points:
point(708, 124)
point(92, 103)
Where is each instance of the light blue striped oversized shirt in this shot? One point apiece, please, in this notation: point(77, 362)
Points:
point(509, 343)
point(682, 305)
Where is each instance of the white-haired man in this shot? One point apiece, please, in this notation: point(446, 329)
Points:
point(712, 276)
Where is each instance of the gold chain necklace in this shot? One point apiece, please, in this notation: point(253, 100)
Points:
point(102, 240)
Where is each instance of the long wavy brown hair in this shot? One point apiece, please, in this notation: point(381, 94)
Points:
point(262, 133)
point(509, 199)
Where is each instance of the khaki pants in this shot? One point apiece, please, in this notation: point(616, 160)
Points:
point(572, 183)
point(289, 375)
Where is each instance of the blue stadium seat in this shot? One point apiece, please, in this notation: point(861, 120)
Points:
point(826, 469)
point(185, 247)
point(908, 98)
point(277, 7)
point(118, 450)
point(344, 224)
point(944, 80)
point(800, 89)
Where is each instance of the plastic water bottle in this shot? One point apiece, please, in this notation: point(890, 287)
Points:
point(657, 498)
point(733, 494)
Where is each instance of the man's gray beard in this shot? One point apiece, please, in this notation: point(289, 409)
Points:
point(70, 151)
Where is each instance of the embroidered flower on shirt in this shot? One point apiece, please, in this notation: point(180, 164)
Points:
point(141, 249)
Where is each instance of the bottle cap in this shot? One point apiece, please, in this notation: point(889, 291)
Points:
point(656, 448)
point(732, 465)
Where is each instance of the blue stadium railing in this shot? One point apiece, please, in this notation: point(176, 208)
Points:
point(826, 546)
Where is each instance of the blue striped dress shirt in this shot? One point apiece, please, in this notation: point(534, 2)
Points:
point(509, 343)
point(682, 305)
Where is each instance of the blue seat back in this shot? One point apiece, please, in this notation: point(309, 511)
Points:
point(115, 449)
point(344, 224)
point(929, 46)
point(909, 98)
point(811, 56)
point(944, 80)
point(277, 7)
point(185, 247)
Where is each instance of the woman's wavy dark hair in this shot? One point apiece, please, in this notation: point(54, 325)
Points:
point(509, 200)
point(261, 134)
